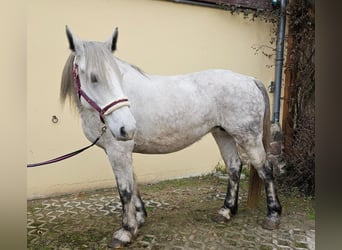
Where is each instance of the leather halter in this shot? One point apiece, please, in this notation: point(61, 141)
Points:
point(111, 107)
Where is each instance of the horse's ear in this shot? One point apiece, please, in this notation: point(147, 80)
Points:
point(111, 42)
point(74, 41)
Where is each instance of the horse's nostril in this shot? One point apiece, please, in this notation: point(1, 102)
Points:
point(123, 132)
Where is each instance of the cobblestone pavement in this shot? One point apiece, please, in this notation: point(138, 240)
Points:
point(180, 216)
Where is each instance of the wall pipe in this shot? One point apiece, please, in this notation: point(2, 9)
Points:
point(279, 61)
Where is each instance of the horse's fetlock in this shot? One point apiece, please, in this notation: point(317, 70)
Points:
point(131, 229)
point(274, 209)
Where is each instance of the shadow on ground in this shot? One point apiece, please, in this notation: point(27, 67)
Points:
point(180, 216)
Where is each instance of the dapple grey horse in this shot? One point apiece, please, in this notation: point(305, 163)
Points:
point(154, 114)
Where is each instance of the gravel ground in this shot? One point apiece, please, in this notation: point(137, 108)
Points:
point(180, 216)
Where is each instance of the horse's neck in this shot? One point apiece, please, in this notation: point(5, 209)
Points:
point(126, 68)
point(123, 66)
point(131, 75)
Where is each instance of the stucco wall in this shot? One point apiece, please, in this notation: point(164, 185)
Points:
point(158, 36)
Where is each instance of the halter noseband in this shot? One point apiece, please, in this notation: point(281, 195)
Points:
point(111, 107)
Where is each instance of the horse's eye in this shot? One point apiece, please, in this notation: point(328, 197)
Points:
point(93, 78)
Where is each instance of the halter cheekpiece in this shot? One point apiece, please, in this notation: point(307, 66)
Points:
point(108, 109)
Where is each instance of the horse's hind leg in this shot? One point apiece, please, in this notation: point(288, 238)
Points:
point(258, 158)
point(233, 163)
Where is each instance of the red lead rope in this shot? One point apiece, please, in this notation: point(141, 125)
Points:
point(66, 156)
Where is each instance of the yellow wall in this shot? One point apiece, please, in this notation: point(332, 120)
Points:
point(158, 36)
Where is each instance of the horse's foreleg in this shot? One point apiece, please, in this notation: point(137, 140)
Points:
point(140, 209)
point(121, 161)
point(231, 158)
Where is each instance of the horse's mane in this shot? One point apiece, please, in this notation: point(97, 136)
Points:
point(133, 66)
point(67, 90)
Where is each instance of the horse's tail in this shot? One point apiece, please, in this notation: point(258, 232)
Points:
point(255, 182)
point(267, 121)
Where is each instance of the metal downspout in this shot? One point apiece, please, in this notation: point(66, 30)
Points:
point(279, 61)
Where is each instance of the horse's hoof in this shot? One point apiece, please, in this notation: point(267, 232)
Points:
point(223, 216)
point(271, 223)
point(218, 218)
point(116, 244)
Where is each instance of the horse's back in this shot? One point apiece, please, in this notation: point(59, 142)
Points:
point(172, 112)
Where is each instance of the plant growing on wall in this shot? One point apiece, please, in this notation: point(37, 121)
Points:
point(299, 100)
point(257, 10)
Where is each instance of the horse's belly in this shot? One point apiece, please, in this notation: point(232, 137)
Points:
point(168, 142)
point(170, 124)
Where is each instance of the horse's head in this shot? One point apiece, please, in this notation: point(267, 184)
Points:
point(98, 83)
